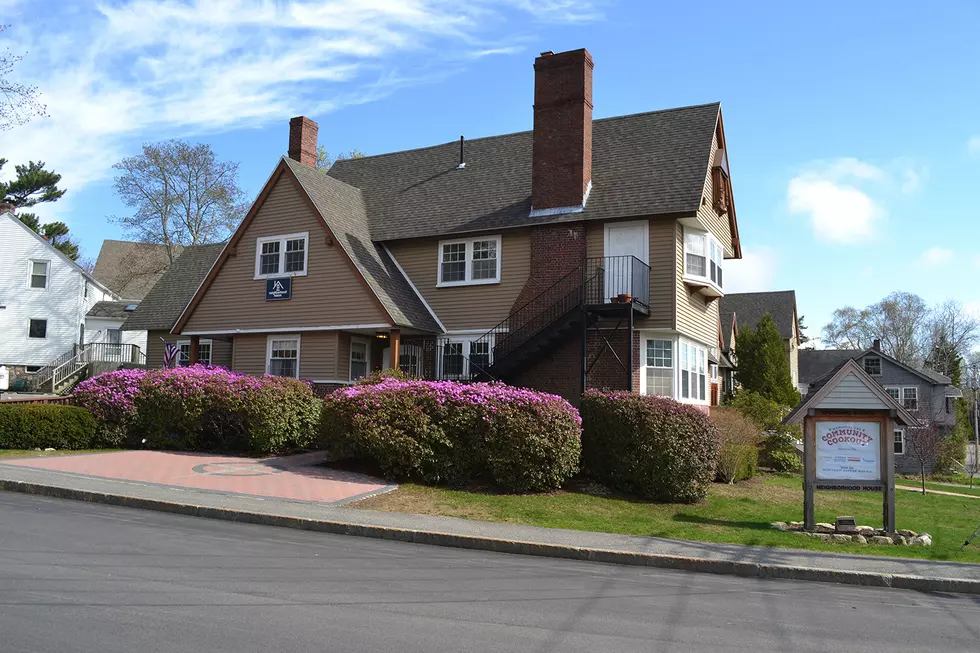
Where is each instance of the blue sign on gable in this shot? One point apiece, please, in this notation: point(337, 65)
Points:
point(281, 288)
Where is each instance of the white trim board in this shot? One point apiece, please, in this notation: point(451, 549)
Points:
point(414, 288)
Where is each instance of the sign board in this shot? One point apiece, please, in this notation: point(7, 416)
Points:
point(278, 288)
point(848, 451)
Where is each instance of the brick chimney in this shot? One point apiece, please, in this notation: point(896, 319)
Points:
point(302, 140)
point(562, 153)
point(876, 344)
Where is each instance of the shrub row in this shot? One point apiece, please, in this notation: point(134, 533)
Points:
point(452, 433)
point(39, 426)
point(202, 408)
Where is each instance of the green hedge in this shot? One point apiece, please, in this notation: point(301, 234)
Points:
point(653, 447)
point(40, 426)
point(452, 433)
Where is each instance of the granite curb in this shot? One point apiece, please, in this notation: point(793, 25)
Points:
point(499, 545)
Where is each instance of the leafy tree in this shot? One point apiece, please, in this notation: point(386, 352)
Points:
point(18, 102)
point(762, 365)
point(34, 185)
point(323, 160)
point(181, 195)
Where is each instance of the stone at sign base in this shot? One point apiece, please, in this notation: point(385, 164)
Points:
point(865, 534)
point(824, 527)
point(881, 539)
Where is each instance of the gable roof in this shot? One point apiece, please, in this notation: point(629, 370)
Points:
point(115, 310)
point(749, 307)
point(642, 164)
point(817, 364)
point(165, 302)
point(340, 208)
point(846, 368)
point(55, 251)
point(130, 268)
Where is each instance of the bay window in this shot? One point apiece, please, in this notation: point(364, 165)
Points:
point(469, 261)
point(694, 377)
point(703, 258)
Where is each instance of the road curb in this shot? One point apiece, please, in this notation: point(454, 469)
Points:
point(661, 561)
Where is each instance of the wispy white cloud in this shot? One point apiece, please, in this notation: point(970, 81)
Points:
point(935, 257)
point(120, 72)
point(756, 271)
point(973, 146)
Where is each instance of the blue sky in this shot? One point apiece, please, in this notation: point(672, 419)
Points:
point(853, 128)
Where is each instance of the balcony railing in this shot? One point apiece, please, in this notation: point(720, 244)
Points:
point(613, 279)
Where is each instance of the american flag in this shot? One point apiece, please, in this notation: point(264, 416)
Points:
point(170, 354)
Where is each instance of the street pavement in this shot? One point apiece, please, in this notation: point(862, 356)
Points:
point(87, 577)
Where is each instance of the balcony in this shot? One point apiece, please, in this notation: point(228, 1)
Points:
point(617, 280)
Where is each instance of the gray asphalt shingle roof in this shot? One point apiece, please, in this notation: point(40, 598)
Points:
point(643, 164)
point(130, 269)
point(111, 309)
point(815, 364)
point(749, 308)
point(166, 300)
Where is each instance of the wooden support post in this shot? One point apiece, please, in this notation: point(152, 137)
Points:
point(195, 350)
point(888, 473)
point(809, 471)
point(395, 348)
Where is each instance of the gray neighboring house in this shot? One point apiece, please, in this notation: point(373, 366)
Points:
point(740, 310)
point(158, 311)
point(926, 394)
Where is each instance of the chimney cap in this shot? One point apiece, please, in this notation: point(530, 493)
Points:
point(547, 53)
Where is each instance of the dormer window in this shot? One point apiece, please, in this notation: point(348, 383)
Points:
point(703, 259)
point(469, 261)
point(281, 256)
point(872, 365)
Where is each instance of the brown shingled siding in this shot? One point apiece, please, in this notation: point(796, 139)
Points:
point(467, 307)
point(330, 294)
point(317, 354)
point(220, 349)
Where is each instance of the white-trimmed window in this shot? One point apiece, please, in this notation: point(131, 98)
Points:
point(462, 357)
point(282, 356)
point(282, 256)
point(895, 393)
point(899, 442)
point(659, 367)
point(360, 350)
point(703, 257)
point(37, 274)
point(203, 352)
point(694, 378)
point(469, 261)
point(908, 396)
point(872, 365)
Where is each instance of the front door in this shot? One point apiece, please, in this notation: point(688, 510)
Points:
point(622, 240)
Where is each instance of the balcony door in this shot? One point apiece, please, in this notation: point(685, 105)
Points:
point(623, 239)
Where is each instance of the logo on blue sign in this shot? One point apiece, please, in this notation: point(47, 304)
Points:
point(278, 288)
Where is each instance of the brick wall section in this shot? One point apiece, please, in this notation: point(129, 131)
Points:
point(562, 149)
point(302, 140)
point(556, 250)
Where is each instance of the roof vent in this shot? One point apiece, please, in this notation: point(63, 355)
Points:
point(130, 308)
point(462, 163)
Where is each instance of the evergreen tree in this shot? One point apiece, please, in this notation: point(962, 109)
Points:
point(762, 365)
point(34, 185)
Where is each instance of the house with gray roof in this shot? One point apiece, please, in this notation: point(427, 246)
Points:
point(582, 253)
point(925, 393)
point(131, 268)
point(740, 310)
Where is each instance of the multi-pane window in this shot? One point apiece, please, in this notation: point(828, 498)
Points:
point(281, 255)
point(464, 358)
point(474, 260)
point(39, 274)
point(703, 257)
point(453, 263)
point(895, 393)
point(284, 357)
point(872, 365)
point(899, 442)
point(358, 359)
point(694, 367)
point(479, 356)
point(37, 328)
point(910, 398)
point(452, 359)
point(660, 367)
point(203, 352)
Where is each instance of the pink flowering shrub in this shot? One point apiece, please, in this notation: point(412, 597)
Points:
point(205, 408)
point(653, 447)
point(110, 398)
point(453, 433)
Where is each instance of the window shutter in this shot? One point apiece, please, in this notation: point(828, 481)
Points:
point(719, 189)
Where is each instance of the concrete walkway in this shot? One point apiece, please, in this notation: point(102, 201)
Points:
point(931, 491)
point(749, 561)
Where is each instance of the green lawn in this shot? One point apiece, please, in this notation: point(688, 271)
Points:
point(31, 453)
point(739, 514)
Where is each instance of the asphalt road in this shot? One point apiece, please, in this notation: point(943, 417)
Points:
point(83, 577)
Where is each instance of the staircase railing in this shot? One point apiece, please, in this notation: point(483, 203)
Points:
point(95, 352)
point(36, 379)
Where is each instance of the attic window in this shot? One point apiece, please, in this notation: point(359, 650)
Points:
point(281, 256)
point(872, 365)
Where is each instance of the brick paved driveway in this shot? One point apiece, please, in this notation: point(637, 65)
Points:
point(295, 478)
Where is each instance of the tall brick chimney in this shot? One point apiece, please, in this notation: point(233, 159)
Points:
point(302, 140)
point(562, 153)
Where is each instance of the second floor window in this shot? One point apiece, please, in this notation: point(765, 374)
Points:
point(872, 365)
point(38, 275)
point(703, 257)
point(281, 255)
point(37, 329)
point(470, 261)
point(907, 396)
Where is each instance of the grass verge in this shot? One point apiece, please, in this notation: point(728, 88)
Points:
point(738, 514)
point(32, 453)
